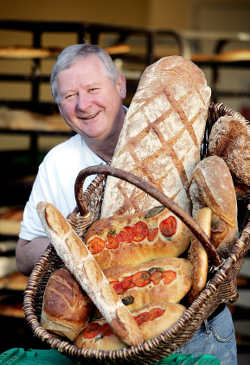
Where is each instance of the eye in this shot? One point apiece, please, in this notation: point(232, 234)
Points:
point(93, 89)
point(68, 96)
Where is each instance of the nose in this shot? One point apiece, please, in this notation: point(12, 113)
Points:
point(83, 101)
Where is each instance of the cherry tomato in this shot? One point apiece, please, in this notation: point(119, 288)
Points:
point(117, 287)
point(112, 241)
point(106, 330)
point(129, 231)
point(123, 236)
point(168, 226)
point(140, 231)
point(152, 233)
point(96, 245)
point(155, 313)
point(141, 278)
point(127, 283)
point(156, 277)
point(92, 330)
point(168, 276)
point(141, 318)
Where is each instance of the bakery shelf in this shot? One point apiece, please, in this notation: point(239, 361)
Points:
point(140, 47)
point(14, 282)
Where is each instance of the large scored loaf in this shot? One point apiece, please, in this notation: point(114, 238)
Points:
point(161, 136)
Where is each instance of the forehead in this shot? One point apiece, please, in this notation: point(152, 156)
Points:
point(88, 70)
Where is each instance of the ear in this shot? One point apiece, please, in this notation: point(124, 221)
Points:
point(121, 86)
point(59, 107)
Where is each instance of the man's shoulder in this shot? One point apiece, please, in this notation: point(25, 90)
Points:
point(69, 146)
point(72, 154)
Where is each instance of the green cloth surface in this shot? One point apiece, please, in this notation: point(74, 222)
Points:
point(19, 356)
point(180, 359)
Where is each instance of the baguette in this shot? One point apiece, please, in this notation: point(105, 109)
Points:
point(81, 263)
point(161, 136)
point(132, 240)
point(152, 320)
point(198, 255)
point(211, 186)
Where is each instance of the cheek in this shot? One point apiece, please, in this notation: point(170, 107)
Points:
point(67, 109)
point(114, 102)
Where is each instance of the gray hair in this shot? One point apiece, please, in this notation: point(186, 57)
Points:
point(75, 52)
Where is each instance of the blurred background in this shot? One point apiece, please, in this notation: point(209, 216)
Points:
point(215, 34)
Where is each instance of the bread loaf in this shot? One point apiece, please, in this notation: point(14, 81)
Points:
point(211, 186)
point(198, 255)
point(14, 281)
point(27, 52)
point(87, 272)
point(98, 335)
point(65, 308)
point(161, 137)
point(230, 139)
point(136, 239)
point(10, 219)
point(157, 281)
point(152, 320)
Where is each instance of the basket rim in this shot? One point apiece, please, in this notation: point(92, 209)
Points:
point(208, 300)
point(210, 292)
point(32, 289)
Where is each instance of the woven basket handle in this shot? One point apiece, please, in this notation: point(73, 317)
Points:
point(158, 195)
point(242, 244)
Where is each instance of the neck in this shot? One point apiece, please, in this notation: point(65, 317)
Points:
point(104, 148)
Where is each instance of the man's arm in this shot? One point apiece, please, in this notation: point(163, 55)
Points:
point(29, 252)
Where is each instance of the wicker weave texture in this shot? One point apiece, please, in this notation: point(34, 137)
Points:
point(221, 286)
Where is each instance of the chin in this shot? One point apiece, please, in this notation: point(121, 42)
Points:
point(94, 136)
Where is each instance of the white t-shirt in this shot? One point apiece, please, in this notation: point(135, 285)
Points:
point(55, 182)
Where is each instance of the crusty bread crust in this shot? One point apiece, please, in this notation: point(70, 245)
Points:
point(230, 139)
point(212, 186)
point(198, 255)
point(157, 281)
point(170, 237)
point(161, 136)
point(66, 308)
point(104, 339)
point(88, 273)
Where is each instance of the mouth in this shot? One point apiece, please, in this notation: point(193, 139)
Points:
point(88, 117)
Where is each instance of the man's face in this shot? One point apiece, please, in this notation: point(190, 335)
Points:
point(88, 100)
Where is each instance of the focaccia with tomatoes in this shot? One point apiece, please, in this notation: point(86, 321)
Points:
point(157, 281)
point(132, 240)
point(152, 320)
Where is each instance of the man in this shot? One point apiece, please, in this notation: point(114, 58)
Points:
point(89, 91)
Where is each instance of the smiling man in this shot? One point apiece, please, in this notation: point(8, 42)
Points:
point(90, 103)
point(88, 90)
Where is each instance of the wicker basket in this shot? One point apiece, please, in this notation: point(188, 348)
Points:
point(221, 286)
